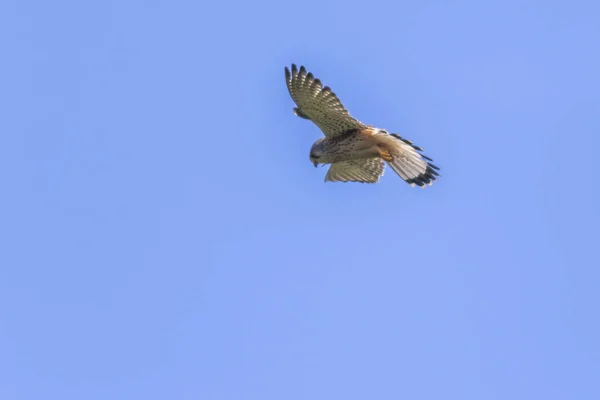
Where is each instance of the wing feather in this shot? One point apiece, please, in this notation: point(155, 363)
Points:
point(318, 104)
point(366, 170)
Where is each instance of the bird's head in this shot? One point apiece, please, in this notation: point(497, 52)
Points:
point(316, 152)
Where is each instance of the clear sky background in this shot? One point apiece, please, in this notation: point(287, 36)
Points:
point(164, 235)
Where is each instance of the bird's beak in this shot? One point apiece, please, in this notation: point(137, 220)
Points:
point(315, 163)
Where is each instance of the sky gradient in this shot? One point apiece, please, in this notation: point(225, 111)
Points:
point(165, 236)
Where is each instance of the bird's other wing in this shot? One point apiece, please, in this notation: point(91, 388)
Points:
point(366, 170)
point(318, 104)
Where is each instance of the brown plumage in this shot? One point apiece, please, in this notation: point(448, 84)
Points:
point(356, 151)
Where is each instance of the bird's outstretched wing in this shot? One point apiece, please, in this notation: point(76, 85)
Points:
point(318, 104)
point(366, 170)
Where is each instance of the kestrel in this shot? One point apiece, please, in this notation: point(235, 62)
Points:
point(355, 151)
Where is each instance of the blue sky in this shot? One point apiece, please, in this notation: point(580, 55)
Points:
point(165, 236)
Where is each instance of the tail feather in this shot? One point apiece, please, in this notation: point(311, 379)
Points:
point(414, 168)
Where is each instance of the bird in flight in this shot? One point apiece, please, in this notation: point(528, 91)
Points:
point(356, 152)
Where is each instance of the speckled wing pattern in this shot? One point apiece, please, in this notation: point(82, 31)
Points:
point(366, 170)
point(318, 104)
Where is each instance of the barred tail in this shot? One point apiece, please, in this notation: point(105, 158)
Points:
point(412, 166)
